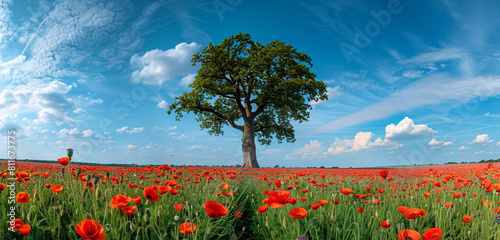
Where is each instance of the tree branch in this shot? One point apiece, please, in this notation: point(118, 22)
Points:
point(231, 122)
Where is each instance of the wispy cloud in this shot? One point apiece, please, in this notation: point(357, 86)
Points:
point(431, 90)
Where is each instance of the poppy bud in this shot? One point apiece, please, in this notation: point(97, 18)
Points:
point(69, 152)
point(133, 227)
point(62, 170)
point(78, 172)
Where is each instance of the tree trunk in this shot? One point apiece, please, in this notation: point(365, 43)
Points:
point(248, 146)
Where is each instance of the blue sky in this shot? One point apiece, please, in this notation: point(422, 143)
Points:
point(409, 82)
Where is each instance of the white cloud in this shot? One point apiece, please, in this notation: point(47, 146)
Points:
point(79, 111)
point(163, 104)
point(362, 140)
point(135, 130)
point(463, 148)
point(7, 67)
point(185, 81)
point(7, 27)
point(412, 74)
point(65, 133)
point(406, 129)
point(448, 143)
point(491, 115)
point(194, 147)
point(182, 137)
point(431, 90)
point(122, 129)
point(172, 128)
point(130, 146)
point(483, 138)
point(498, 143)
point(48, 101)
point(433, 142)
point(156, 66)
point(88, 133)
point(310, 150)
point(331, 92)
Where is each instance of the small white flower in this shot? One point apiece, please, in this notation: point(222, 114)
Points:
point(176, 218)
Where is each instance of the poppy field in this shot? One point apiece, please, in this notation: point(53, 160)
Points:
point(70, 201)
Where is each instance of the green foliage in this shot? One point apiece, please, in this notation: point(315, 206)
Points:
point(244, 82)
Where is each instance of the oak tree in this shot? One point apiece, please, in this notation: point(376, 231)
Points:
point(257, 89)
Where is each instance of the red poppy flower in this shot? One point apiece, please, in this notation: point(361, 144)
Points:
point(315, 206)
point(433, 234)
point(386, 223)
point(292, 201)
point(448, 204)
point(48, 185)
point(128, 210)
point(215, 209)
point(262, 209)
point(151, 194)
point(164, 189)
point(402, 209)
point(361, 210)
point(64, 160)
point(408, 235)
point(57, 188)
point(188, 228)
point(24, 230)
point(277, 183)
point(120, 201)
point(90, 229)
point(346, 191)
point(322, 202)
point(179, 206)
point(173, 192)
point(238, 214)
point(18, 223)
point(467, 218)
point(277, 199)
point(384, 173)
point(22, 197)
point(298, 213)
point(137, 200)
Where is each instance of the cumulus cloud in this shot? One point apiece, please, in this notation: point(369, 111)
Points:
point(135, 130)
point(433, 142)
point(463, 148)
point(182, 137)
point(122, 129)
point(163, 104)
point(310, 150)
point(48, 101)
point(362, 140)
point(447, 143)
point(481, 139)
point(185, 81)
point(194, 147)
point(406, 129)
point(156, 66)
point(75, 133)
point(79, 111)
